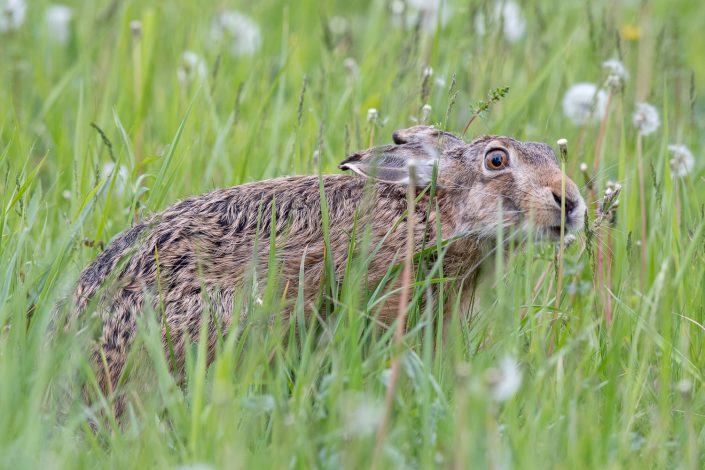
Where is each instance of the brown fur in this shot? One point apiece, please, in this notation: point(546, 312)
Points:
point(207, 245)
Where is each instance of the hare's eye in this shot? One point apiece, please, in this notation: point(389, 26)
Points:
point(496, 159)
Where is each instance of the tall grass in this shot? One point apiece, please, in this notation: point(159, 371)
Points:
point(594, 394)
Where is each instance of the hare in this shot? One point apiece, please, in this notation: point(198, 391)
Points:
point(196, 254)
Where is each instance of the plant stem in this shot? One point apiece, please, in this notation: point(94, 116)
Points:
point(401, 314)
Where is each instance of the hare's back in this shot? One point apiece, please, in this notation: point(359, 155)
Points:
point(214, 235)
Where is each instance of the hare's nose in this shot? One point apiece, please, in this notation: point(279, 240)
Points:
point(569, 203)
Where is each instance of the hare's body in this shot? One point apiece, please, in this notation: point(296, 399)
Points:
point(198, 255)
point(199, 252)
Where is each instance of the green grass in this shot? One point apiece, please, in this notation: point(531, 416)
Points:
point(593, 394)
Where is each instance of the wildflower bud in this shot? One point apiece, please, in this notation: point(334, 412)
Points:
point(563, 148)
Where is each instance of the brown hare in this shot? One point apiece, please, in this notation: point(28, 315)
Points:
point(207, 246)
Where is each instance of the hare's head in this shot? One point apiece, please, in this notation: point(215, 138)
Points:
point(492, 180)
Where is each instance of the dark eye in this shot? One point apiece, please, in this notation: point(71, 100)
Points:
point(496, 159)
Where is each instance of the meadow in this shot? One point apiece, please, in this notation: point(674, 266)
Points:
point(592, 356)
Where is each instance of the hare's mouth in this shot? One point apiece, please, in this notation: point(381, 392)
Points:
point(553, 232)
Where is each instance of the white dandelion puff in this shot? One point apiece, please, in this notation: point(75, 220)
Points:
point(120, 179)
point(362, 416)
point(136, 28)
point(684, 386)
point(584, 102)
point(192, 68)
point(372, 115)
point(427, 13)
point(12, 14)
point(58, 22)
point(646, 119)
point(504, 380)
point(617, 74)
point(338, 25)
point(239, 32)
point(682, 160)
point(508, 14)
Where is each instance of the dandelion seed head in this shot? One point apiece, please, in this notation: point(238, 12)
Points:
point(192, 68)
point(425, 12)
point(372, 115)
point(427, 72)
point(57, 19)
point(504, 380)
point(136, 28)
point(362, 416)
point(338, 25)
point(583, 167)
point(684, 386)
point(646, 119)
point(617, 74)
point(12, 14)
point(584, 103)
point(506, 13)
point(682, 160)
point(241, 34)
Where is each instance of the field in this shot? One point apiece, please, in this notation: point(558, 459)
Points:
point(592, 356)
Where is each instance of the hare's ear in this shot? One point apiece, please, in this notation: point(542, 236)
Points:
point(391, 163)
point(427, 134)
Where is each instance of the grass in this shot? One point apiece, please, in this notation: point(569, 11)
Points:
point(622, 393)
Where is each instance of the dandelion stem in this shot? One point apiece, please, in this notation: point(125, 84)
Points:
point(642, 206)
